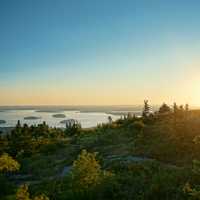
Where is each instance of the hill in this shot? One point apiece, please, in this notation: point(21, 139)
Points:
point(152, 157)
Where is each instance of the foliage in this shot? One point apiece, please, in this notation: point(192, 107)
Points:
point(6, 186)
point(156, 164)
point(164, 109)
point(41, 197)
point(146, 109)
point(86, 172)
point(192, 192)
point(138, 125)
point(25, 140)
point(196, 139)
point(110, 119)
point(22, 193)
point(73, 128)
point(8, 164)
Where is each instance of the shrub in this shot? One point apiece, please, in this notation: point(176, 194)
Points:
point(6, 186)
point(41, 197)
point(73, 128)
point(164, 109)
point(138, 125)
point(86, 172)
point(8, 164)
point(22, 193)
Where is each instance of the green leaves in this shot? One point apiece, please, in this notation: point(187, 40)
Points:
point(8, 164)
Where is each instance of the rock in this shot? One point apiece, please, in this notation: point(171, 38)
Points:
point(66, 171)
point(59, 116)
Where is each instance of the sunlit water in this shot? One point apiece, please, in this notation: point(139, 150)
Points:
point(87, 119)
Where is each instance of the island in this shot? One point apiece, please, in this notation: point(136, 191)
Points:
point(31, 118)
point(2, 122)
point(59, 116)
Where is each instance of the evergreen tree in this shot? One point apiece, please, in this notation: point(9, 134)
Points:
point(164, 109)
point(175, 108)
point(86, 172)
point(72, 128)
point(194, 192)
point(186, 107)
point(146, 109)
point(110, 120)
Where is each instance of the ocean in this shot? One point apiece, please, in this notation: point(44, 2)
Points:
point(87, 116)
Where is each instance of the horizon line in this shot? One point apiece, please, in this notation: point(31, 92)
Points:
point(70, 105)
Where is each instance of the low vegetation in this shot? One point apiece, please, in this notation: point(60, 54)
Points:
point(156, 156)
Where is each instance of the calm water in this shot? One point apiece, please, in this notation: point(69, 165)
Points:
point(87, 119)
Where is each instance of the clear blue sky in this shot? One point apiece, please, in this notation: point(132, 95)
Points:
point(99, 51)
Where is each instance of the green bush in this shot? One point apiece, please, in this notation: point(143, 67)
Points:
point(138, 125)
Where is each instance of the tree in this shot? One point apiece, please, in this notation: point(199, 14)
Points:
point(18, 124)
point(8, 164)
point(186, 107)
point(181, 108)
point(110, 119)
point(86, 171)
point(72, 127)
point(164, 109)
point(138, 125)
point(146, 109)
point(22, 193)
point(175, 108)
point(41, 197)
point(194, 192)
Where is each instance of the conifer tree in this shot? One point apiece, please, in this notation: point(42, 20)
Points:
point(146, 109)
point(164, 108)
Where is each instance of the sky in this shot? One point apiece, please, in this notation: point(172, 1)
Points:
point(99, 52)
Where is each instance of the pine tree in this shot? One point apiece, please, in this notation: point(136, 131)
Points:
point(175, 107)
point(86, 172)
point(186, 107)
point(110, 120)
point(146, 109)
point(164, 108)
